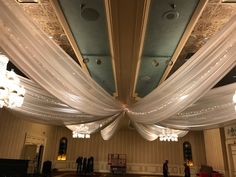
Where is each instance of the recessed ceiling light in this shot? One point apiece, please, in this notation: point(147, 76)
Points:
point(85, 60)
point(99, 61)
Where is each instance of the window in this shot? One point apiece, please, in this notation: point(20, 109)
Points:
point(62, 149)
point(187, 151)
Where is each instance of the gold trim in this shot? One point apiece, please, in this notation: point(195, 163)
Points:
point(111, 40)
point(69, 34)
point(143, 32)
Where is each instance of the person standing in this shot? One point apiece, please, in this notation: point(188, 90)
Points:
point(186, 170)
point(165, 169)
point(79, 164)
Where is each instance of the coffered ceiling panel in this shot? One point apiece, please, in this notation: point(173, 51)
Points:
point(167, 22)
point(88, 26)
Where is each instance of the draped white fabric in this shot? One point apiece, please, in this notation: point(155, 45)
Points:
point(39, 103)
point(110, 130)
point(90, 128)
point(215, 109)
point(145, 132)
point(191, 81)
point(76, 99)
point(152, 132)
point(46, 63)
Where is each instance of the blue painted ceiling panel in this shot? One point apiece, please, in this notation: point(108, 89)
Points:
point(167, 22)
point(89, 32)
point(100, 68)
point(87, 22)
point(151, 70)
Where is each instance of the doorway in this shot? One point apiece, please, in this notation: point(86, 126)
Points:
point(39, 158)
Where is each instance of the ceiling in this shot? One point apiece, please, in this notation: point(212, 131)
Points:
point(130, 47)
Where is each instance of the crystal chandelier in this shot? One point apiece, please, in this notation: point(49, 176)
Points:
point(79, 131)
point(168, 135)
point(11, 93)
point(80, 135)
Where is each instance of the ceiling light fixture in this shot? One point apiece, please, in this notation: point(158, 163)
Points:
point(99, 61)
point(85, 60)
point(79, 131)
point(168, 135)
point(80, 135)
point(11, 93)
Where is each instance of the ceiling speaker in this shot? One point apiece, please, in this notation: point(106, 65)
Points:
point(90, 14)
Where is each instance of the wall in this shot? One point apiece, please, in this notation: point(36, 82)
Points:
point(142, 156)
point(215, 150)
point(13, 131)
point(230, 141)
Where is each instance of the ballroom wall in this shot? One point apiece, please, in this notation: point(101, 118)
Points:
point(230, 141)
point(13, 131)
point(142, 156)
point(215, 150)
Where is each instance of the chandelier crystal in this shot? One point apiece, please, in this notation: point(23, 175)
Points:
point(80, 135)
point(11, 93)
point(79, 131)
point(168, 135)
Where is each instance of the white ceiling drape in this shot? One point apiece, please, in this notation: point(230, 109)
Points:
point(152, 132)
point(196, 77)
point(214, 109)
point(76, 99)
point(43, 61)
